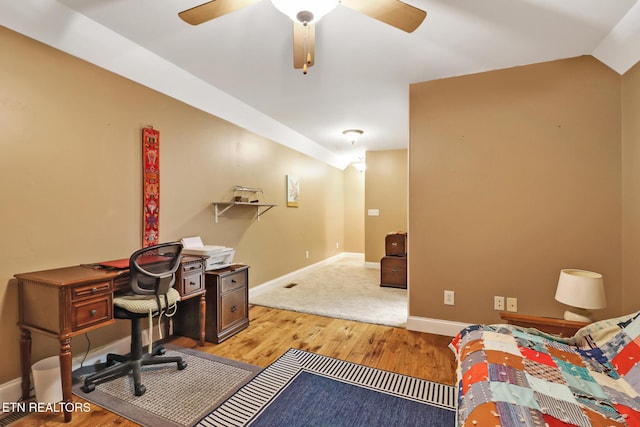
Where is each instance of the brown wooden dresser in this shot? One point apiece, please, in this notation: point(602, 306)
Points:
point(393, 266)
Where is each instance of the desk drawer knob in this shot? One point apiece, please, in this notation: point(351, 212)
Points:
point(94, 290)
point(93, 312)
point(234, 308)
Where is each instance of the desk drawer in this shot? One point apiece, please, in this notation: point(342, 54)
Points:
point(90, 290)
point(191, 284)
point(190, 266)
point(89, 312)
point(233, 281)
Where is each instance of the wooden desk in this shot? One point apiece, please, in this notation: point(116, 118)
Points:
point(65, 302)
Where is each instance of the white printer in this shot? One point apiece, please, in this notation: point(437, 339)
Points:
point(219, 256)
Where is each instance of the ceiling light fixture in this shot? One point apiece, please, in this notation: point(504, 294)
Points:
point(306, 12)
point(352, 135)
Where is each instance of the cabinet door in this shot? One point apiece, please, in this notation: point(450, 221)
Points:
point(393, 271)
point(233, 308)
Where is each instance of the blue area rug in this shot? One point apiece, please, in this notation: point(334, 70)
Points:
point(306, 389)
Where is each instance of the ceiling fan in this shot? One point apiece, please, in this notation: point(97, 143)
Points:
point(305, 14)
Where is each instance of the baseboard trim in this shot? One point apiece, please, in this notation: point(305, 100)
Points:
point(435, 326)
point(287, 278)
point(372, 265)
point(11, 391)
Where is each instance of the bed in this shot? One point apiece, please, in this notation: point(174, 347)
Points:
point(513, 376)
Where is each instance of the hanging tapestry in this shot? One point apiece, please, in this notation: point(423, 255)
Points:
point(151, 186)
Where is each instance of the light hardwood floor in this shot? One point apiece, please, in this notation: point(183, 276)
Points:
point(272, 332)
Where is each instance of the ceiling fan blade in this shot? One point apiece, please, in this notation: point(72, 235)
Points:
point(393, 12)
point(213, 9)
point(303, 44)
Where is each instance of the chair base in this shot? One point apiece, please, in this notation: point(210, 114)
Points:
point(131, 363)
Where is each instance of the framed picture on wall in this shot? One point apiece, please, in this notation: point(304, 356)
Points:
point(293, 191)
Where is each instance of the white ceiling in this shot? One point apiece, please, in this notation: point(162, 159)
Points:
point(240, 66)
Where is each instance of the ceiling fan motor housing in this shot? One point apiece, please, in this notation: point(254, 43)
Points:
point(305, 11)
point(304, 16)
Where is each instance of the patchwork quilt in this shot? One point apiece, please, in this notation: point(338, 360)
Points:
point(512, 376)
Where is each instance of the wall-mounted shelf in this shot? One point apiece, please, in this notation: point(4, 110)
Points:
point(240, 200)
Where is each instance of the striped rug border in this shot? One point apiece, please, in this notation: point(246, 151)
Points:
point(250, 400)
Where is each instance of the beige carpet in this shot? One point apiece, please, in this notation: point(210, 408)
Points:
point(344, 289)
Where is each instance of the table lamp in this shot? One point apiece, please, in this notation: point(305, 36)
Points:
point(583, 291)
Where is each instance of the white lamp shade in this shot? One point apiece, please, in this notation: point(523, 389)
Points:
point(580, 288)
point(318, 8)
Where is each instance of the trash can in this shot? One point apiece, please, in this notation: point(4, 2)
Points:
point(46, 380)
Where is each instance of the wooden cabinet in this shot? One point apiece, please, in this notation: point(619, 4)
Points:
point(393, 271)
point(228, 297)
point(393, 266)
point(395, 244)
point(227, 305)
point(550, 325)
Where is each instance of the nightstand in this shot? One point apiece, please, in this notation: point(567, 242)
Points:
point(550, 325)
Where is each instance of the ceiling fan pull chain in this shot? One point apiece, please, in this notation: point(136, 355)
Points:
point(305, 66)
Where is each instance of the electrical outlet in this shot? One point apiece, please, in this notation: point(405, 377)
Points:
point(498, 303)
point(512, 304)
point(449, 297)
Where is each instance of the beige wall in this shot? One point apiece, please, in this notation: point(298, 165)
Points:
point(631, 189)
point(354, 210)
point(514, 174)
point(70, 181)
point(385, 190)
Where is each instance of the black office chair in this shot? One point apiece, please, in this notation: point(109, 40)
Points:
point(152, 275)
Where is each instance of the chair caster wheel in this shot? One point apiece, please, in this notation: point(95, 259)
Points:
point(140, 390)
point(181, 365)
point(88, 388)
point(161, 351)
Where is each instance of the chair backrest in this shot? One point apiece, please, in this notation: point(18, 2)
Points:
point(152, 269)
